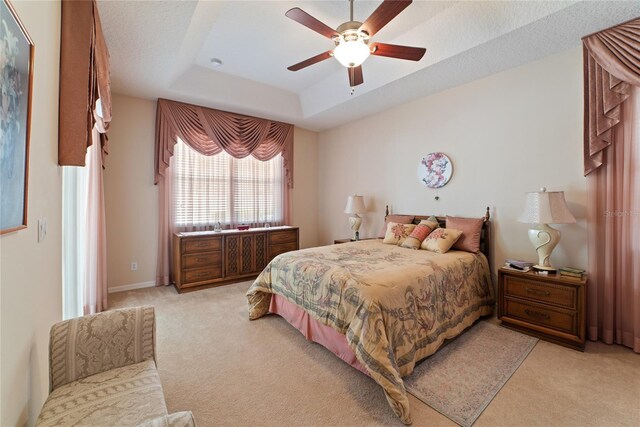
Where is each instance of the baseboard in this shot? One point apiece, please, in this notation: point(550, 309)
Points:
point(132, 286)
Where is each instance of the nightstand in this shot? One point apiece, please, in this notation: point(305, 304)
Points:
point(337, 241)
point(551, 307)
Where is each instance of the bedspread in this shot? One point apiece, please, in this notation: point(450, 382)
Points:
point(395, 305)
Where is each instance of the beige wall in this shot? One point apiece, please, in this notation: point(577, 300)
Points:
point(304, 198)
point(506, 134)
point(30, 272)
point(132, 199)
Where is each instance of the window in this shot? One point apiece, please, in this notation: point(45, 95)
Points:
point(208, 189)
point(84, 285)
point(74, 205)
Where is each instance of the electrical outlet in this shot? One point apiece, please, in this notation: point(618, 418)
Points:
point(134, 266)
point(42, 229)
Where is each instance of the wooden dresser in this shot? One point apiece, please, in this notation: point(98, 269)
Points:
point(207, 258)
point(550, 307)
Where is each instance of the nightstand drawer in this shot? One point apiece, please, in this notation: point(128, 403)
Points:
point(557, 294)
point(208, 259)
point(540, 315)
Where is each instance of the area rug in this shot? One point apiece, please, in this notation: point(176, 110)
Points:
point(462, 378)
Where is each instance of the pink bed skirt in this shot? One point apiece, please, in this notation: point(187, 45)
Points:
point(315, 331)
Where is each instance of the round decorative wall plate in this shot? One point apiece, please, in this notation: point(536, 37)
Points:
point(435, 170)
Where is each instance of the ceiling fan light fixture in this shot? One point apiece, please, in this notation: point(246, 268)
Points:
point(351, 52)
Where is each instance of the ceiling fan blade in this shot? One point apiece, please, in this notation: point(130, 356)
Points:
point(311, 61)
point(310, 22)
point(355, 76)
point(396, 51)
point(380, 17)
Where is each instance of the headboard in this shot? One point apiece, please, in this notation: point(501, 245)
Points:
point(485, 236)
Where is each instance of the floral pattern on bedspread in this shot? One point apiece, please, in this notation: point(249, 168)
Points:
point(396, 306)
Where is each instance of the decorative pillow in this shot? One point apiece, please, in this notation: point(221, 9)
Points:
point(397, 233)
point(420, 233)
point(441, 239)
point(432, 221)
point(471, 232)
point(399, 219)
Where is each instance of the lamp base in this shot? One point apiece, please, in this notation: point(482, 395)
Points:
point(544, 238)
point(354, 223)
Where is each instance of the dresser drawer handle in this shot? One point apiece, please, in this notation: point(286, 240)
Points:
point(533, 313)
point(202, 244)
point(538, 292)
point(202, 274)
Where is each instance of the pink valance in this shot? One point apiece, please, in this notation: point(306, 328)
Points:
point(611, 65)
point(210, 131)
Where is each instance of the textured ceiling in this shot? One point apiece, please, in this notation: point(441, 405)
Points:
point(164, 49)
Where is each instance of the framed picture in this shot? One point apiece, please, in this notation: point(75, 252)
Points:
point(16, 81)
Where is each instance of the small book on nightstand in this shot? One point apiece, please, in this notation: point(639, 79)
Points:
point(515, 264)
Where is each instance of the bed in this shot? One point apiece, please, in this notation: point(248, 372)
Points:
point(382, 308)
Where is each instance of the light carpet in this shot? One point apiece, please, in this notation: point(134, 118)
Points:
point(461, 379)
point(232, 372)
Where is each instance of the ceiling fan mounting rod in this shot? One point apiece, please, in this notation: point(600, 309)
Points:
point(351, 10)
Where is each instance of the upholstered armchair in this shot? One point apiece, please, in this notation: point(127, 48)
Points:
point(102, 372)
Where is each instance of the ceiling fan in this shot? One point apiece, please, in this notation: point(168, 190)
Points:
point(351, 39)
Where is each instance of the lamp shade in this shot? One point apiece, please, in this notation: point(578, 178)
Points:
point(355, 205)
point(546, 207)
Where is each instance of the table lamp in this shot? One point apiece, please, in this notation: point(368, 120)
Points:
point(355, 206)
point(542, 208)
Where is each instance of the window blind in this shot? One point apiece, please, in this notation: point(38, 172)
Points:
point(221, 188)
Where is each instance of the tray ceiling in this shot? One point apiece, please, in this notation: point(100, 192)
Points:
point(164, 49)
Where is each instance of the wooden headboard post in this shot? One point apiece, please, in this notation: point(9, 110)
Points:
point(485, 241)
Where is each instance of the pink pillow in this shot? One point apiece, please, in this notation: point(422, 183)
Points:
point(419, 233)
point(471, 230)
point(398, 219)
